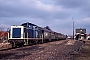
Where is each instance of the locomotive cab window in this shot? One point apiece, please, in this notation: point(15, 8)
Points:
point(16, 33)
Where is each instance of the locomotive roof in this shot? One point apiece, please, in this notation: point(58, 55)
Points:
point(29, 24)
point(47, 28)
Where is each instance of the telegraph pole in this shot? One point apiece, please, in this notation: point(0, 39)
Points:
point(73, 28)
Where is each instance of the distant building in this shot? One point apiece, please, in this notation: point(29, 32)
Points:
point(3, 35)
point(88, 36)
point(80, 33)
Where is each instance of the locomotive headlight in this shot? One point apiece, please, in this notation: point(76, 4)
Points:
point(46, 34)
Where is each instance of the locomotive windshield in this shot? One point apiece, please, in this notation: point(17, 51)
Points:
point(16, 33)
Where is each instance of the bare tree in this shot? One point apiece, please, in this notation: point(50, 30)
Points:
point(7, 29)
point(2, 28)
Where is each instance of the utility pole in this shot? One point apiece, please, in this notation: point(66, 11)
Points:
point(73, 28)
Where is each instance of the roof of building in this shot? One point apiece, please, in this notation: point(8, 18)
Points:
point(3, 33)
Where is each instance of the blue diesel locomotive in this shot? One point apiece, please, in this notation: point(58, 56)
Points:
point(28, 34)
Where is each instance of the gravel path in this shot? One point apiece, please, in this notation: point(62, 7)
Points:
point(58, 50)
point(84, 53)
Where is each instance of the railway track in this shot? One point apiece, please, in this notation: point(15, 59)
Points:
point(48, 51)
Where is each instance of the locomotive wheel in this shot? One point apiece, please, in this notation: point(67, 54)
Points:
point(40, 42)
point(14, 45)
point(29, 43)
point(21, 44)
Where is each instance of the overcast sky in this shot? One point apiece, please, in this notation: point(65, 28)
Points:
point(57, 14)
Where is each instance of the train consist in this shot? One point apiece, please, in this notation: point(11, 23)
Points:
point(28, 34)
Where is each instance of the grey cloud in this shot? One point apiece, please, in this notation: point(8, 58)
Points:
point(19, 9)
point(59, 17)
point(72, 3)
point(81, 6)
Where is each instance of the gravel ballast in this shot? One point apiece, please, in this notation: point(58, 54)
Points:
point(57, 50)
